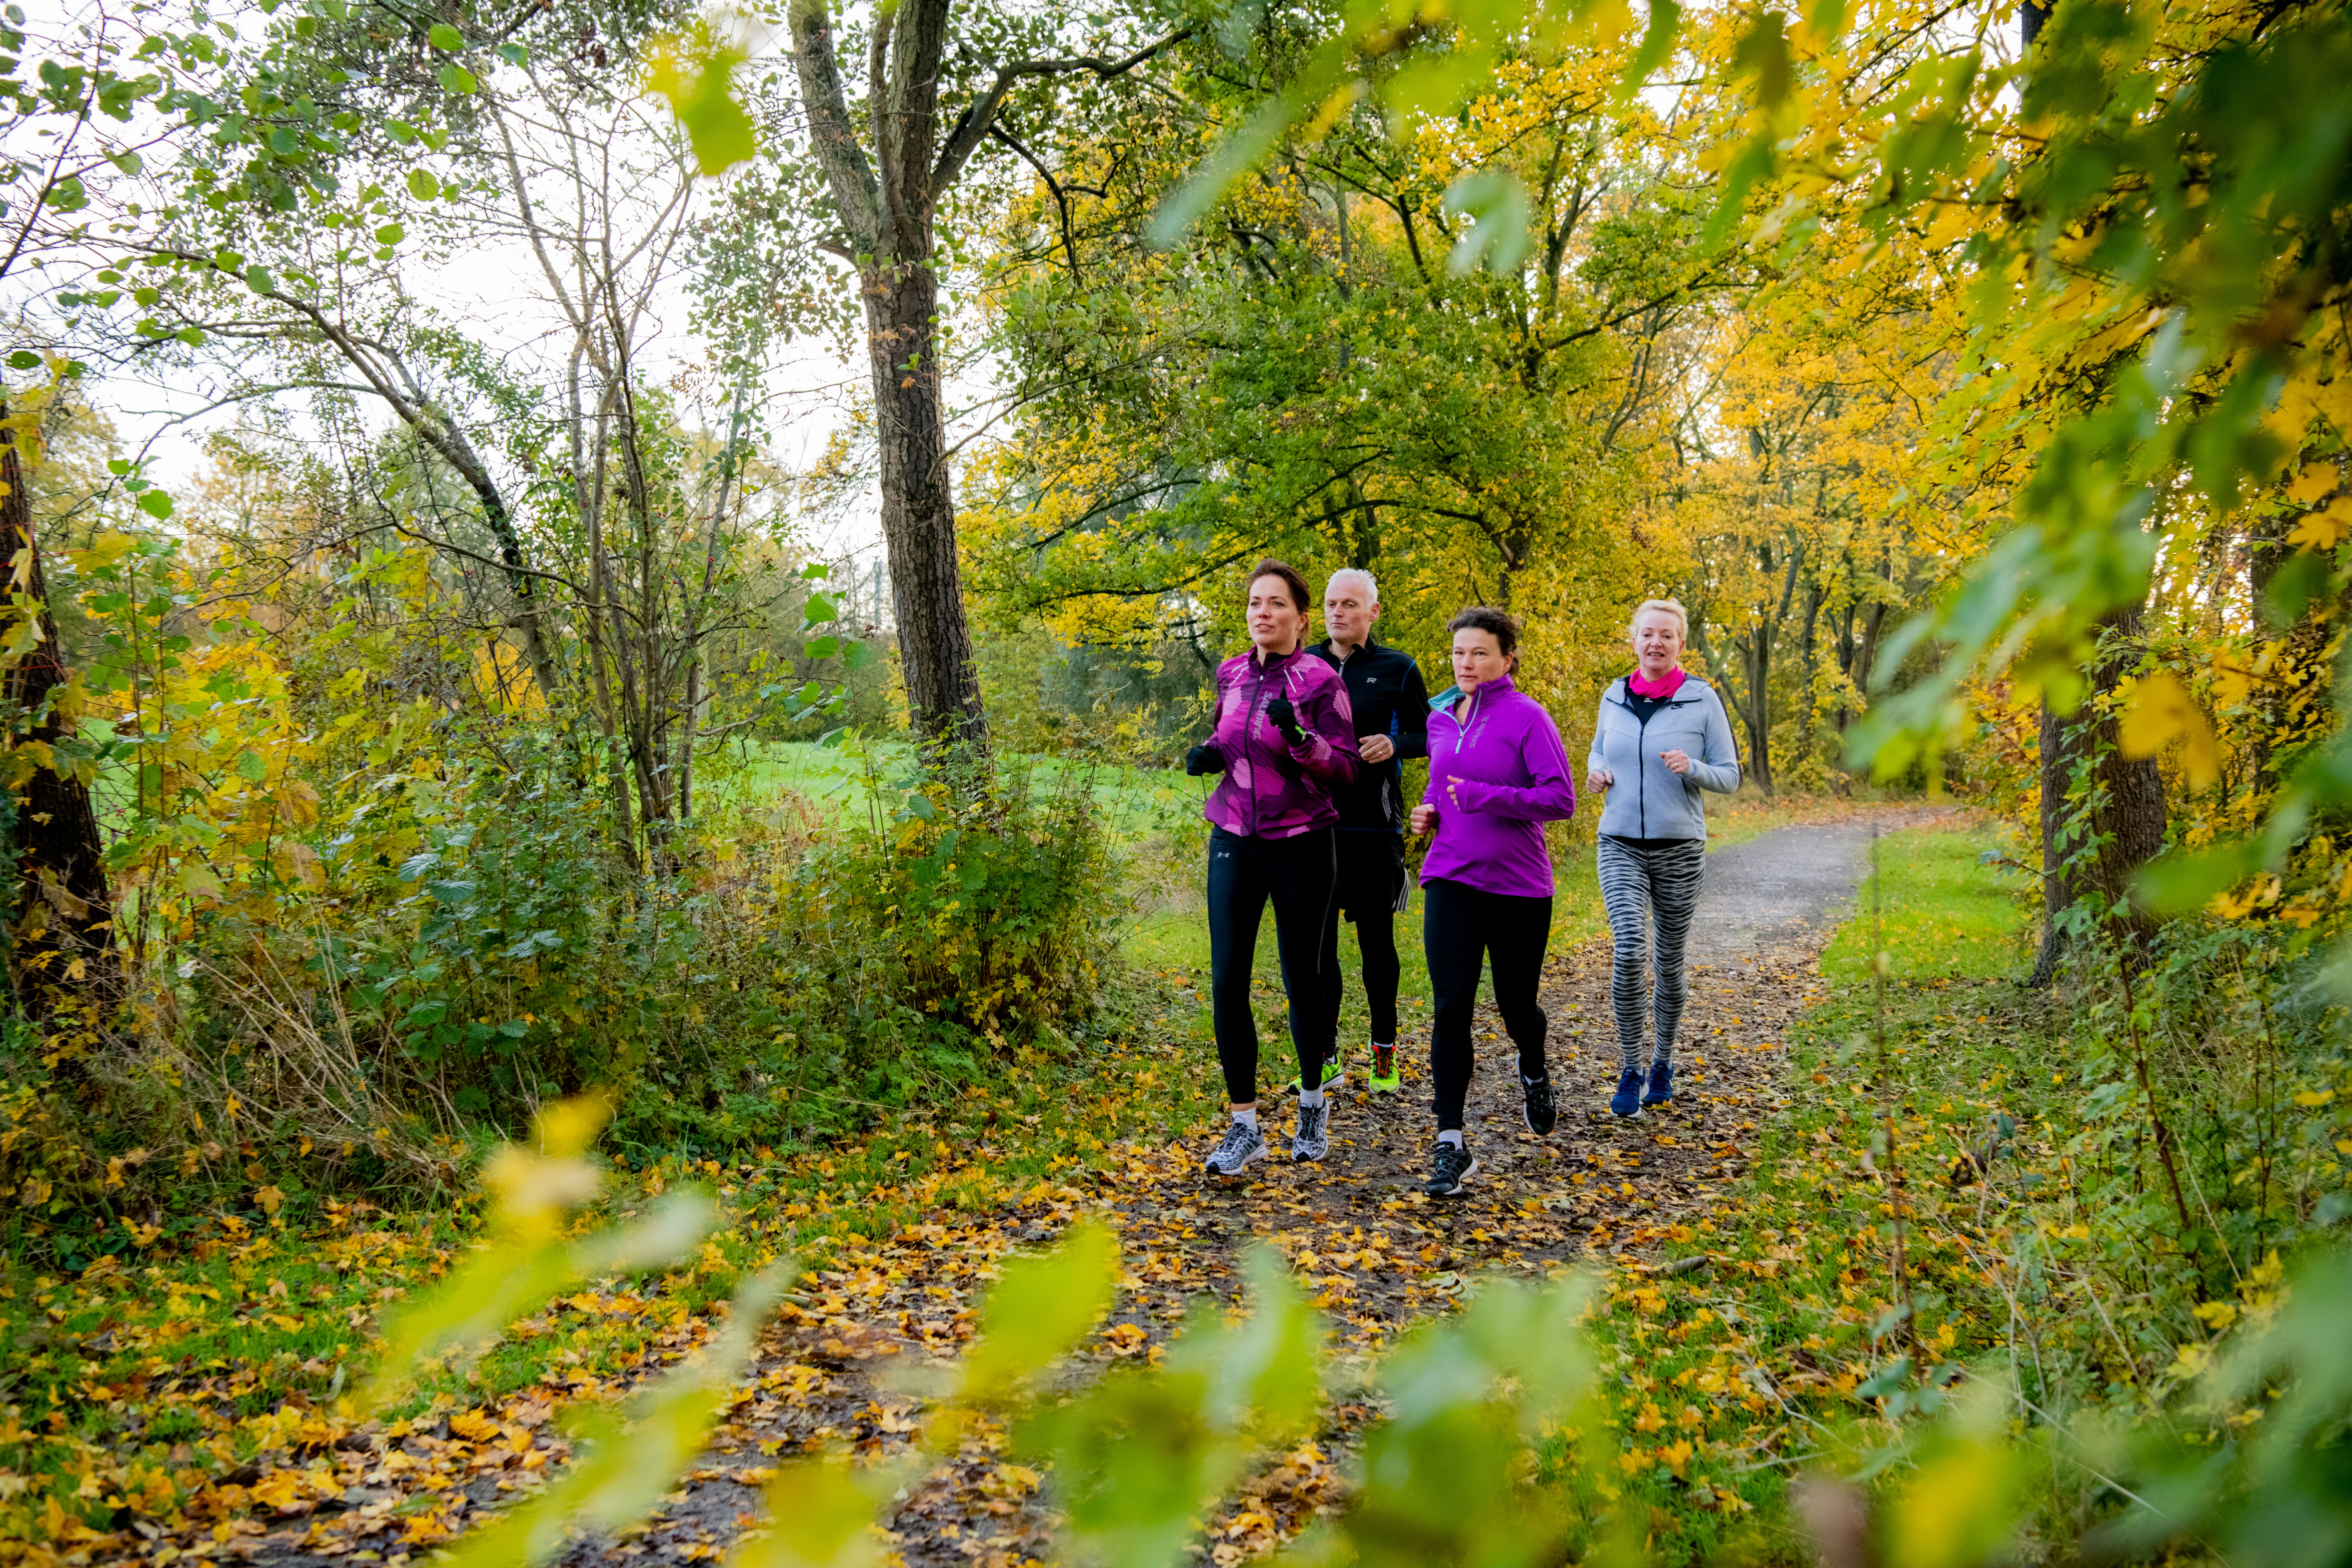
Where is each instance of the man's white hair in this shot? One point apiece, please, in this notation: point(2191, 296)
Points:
point(1355, 575)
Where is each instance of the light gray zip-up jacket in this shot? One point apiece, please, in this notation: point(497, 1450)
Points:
point(1650, 800)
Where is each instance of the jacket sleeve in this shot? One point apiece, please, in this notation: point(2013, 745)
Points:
point(1412, 714)
point(1550, 795)
point(1718, 769)
point(1325, 746)
point(1595, 759)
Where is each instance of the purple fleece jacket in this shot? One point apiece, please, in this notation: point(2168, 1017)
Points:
point(1275, 788)
point(1509, 777)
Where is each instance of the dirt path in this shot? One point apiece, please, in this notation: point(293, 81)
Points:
point(1357, 1230)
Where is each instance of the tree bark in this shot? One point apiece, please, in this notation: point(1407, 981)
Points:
point(63, 958)
point(1759, 714)
point(2127, 807)
point(918, 521)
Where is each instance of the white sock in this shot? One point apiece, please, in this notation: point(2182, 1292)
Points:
point(1248, 1117)
point(1310, 1099)
point(1383, 1045)
point(1453, 1136)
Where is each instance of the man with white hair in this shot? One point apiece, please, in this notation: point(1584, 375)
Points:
point(1391, 705)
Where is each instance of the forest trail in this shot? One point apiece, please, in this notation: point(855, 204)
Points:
point(1377, 1253)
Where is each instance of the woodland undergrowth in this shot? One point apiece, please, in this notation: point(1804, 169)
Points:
point(1952, 1295)
point(473, 946)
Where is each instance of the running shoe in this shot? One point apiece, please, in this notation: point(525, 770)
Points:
point(1662, 1084)
point(1335, 1075)
point(1455, 1166)
point(1627, 1100)
point(1385, 1078)
point(1240, 1145)
point(1542, 1111)
point(1312, 1140)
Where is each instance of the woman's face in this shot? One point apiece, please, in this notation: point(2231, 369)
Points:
point(1478, 658)
point(1657, 642)
point(1277, 621)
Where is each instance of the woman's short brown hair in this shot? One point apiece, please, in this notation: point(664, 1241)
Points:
point(1502, 626)
point(1269, 568)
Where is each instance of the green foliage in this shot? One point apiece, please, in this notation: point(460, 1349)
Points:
point(1138, 1457)
point(1474, 1458)
point(691, 74)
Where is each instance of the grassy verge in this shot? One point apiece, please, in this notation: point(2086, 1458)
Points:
point(1749, 1351)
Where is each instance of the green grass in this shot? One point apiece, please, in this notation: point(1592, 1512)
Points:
point(1797, 1286)
point(840, 780)
point(1944, 914)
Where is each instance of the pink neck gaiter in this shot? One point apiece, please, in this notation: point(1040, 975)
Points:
point(1641, 685)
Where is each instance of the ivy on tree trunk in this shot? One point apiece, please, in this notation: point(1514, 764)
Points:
point(62, 957)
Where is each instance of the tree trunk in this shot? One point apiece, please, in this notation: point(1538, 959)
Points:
point(919, 509)
point(886, 205)
point(63, 958)
point(2127, 809)
point(1756, 714)
point(1809, 660)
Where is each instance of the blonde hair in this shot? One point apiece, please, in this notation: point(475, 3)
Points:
point(1672, 607)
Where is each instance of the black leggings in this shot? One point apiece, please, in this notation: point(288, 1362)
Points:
point(1375, 941)
point(1296, 873)
point(1371, 873)
point(1462, 927)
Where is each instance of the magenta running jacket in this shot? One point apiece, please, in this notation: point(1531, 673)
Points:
point(1275, 788)
point(1514, 778)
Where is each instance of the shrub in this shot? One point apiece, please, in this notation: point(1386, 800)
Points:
point(398, 1014)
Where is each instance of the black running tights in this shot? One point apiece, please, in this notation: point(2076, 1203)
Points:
point(1294, 875)
point(1464, 928)
point(1375, 939)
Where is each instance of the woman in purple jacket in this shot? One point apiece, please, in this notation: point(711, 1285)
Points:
point(1498, 773)
point(1284, 740)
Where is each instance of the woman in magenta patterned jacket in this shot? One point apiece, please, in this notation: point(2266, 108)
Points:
point(1284, 739)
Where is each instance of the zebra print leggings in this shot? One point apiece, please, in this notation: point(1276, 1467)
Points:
point(1639, 877)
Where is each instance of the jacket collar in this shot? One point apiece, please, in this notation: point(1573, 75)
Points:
point(1621, 688)
point(1443, 702)
point(1274, 661)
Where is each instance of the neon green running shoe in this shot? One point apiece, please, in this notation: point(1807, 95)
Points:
point(1335, 1075)
point(1385, 1078)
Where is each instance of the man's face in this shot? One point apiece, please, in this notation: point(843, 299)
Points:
point(1347, 614)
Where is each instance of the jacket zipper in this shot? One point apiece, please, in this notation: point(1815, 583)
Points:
point(1641, 768)
point(1249, 739)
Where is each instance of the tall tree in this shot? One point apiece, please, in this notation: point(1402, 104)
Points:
point(886, 199)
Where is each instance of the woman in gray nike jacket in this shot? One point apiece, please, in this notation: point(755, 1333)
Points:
point(1662, 732)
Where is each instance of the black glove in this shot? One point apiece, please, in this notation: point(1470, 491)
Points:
point(1204, 759)
point(1285, 718)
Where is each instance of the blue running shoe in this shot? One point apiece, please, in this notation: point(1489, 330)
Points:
point(1662, 1084)
point(1627, 1100)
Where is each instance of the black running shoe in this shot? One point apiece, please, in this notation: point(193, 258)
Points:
point(1455, 1166)
point(1542, 1111)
